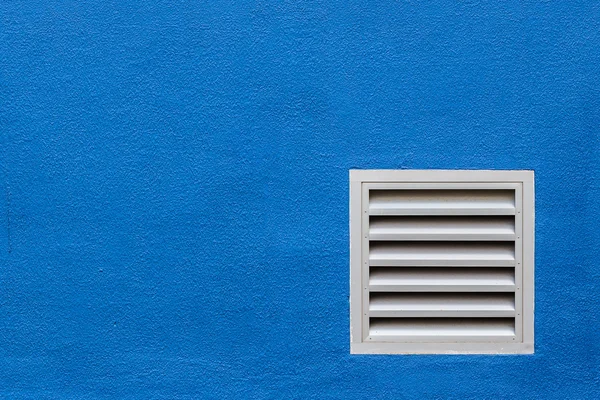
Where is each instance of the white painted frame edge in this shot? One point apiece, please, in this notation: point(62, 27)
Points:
point(441, 348)
point(440, 175)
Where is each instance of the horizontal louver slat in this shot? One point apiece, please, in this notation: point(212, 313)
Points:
point(441, 329)
point(456, 279)
point(492, 254)
point(450, 305)
point(442, 228)
point(442, 202)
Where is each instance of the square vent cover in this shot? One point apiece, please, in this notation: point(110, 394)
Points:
point(441, 261)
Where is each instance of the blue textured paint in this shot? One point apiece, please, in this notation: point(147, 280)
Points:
point(174, 197)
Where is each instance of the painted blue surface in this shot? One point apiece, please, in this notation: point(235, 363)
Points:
point(175, 189)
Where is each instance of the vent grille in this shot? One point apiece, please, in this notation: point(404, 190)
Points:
point(442, 262)
point(437, 243)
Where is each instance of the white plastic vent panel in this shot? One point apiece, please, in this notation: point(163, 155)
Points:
point(441, 261)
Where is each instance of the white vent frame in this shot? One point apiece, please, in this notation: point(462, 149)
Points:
point(361, 181)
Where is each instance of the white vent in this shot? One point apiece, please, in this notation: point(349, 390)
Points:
point(441, 261)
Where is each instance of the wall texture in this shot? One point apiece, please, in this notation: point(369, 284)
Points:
point(174, 197)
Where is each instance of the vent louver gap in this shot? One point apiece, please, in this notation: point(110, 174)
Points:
point(442, 265)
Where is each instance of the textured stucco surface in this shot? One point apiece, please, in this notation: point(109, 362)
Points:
point(175, 189)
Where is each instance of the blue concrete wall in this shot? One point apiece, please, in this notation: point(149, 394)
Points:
point(174, 197)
